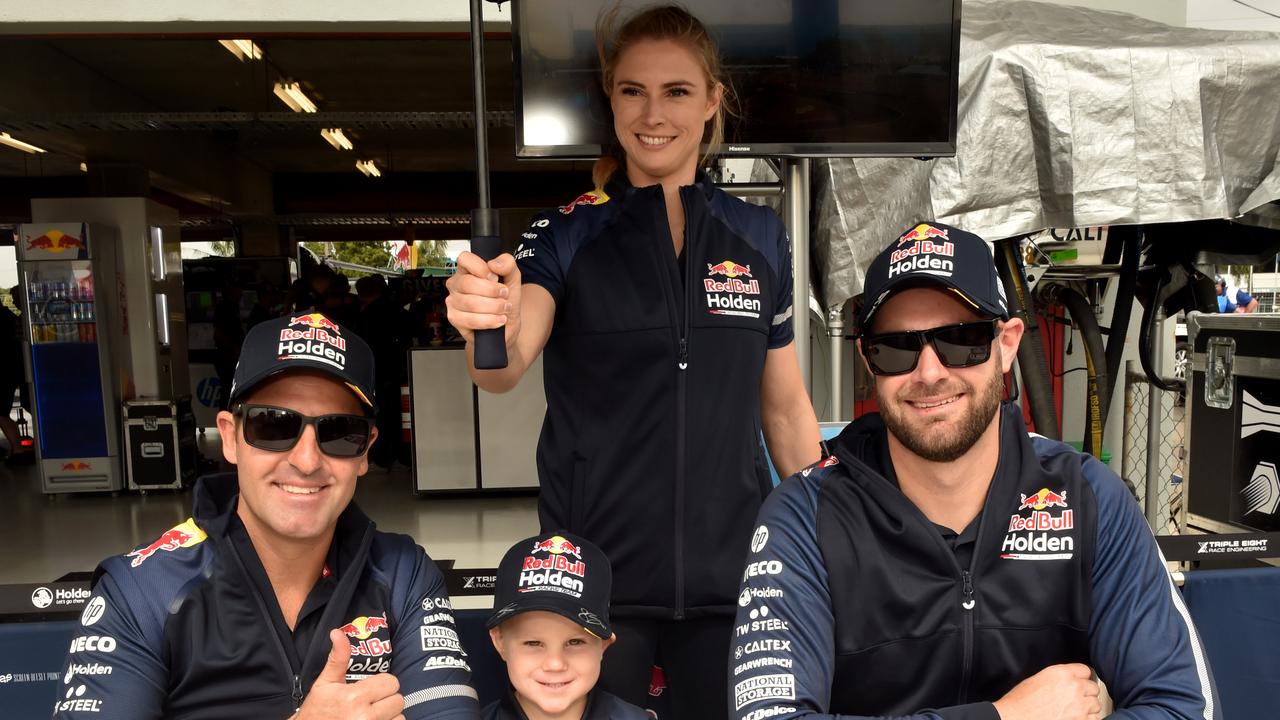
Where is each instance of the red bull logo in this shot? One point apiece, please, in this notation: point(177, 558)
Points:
point(1046, 498)
point(179, 536)
point(595, 197)
point(362, 627)
point(55, 241)
point(729, 269)
point(76, 466)
point(320, 332)
point(557, 545)
point(923, 231)
point(555, 562)
point(316, 320)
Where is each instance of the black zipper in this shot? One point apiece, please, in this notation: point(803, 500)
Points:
point(682, 301)
point(967, 604)
point(267, 620)
point(682, 397)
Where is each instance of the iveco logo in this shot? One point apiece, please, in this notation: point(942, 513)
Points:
point(739, 148)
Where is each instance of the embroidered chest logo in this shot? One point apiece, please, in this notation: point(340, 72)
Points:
point(1039, 535)
point(733, 294)
point(370, 654)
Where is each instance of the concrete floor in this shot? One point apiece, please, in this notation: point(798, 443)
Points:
point(47, 536)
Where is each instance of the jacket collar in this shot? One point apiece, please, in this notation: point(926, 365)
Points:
point(619, 186)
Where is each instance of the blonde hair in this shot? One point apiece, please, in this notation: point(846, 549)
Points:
point(661, 22)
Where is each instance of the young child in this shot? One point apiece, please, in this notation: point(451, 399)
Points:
point(551, 627)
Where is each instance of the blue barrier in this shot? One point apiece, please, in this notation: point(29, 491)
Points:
point(32, 656)
point(1237, 613)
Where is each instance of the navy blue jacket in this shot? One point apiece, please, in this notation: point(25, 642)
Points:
point(181, 629)
point(651, 443)
point(853, 604)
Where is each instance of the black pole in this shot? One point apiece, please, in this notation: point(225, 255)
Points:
point(1031, 358)
point(490, 350)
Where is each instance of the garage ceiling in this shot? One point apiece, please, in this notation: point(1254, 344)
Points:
point(207, 131)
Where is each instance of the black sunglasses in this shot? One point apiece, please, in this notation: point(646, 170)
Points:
point(277, 429)
point(957, 346)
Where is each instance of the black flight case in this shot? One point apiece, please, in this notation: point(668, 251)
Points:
point(160, 444)
point(1233, 416)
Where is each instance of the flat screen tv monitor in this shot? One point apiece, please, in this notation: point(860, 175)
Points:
point(814, 78)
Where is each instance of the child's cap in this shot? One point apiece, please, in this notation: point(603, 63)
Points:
point(556, 572)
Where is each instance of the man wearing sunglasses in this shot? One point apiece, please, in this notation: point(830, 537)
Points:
point(278, 598)
point(942, 563)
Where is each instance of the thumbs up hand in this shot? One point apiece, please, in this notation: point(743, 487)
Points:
point(332, 698)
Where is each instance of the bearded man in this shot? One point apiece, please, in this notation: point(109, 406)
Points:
point(942, 562)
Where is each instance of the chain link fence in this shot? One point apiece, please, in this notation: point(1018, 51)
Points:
point(1172, 429)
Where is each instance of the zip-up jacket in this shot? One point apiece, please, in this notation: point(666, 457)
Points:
point(651, 442)
point(854, 605)
point(182, 629)
point(600, 706)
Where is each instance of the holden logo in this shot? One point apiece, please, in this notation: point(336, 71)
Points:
point(42, 597)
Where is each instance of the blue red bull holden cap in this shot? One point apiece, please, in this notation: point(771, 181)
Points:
point(305, 341)
point(935, 254)
point(557, 572)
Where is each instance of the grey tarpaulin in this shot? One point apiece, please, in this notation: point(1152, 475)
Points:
point(1070, 117)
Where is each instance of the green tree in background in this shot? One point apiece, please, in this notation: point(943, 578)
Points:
point(223, 248)
point(431, 253)
point(374, 254)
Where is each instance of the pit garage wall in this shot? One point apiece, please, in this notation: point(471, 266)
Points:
point(84, 15)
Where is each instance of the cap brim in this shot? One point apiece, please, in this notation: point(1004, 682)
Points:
point(602, 630)
point(925, 280)
point(262, 377)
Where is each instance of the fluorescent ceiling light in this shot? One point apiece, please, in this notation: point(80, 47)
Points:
point(369, 168)
point(292, 96)
point(336, 138)
point(242, 49)
point(5, 139)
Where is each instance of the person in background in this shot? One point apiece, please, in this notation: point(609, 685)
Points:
point(278, 599)
point(12, 377)
point(1233, 299)
point(384, 324)
point(662, 307)
point(265, 307)
point(945, 564)
point(338, 302)
point(550, 625)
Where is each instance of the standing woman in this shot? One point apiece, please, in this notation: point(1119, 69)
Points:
point(664, 308)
